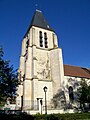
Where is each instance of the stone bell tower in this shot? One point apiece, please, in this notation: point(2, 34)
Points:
point(41, 64)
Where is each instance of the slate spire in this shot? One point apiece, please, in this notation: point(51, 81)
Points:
point(38, 20)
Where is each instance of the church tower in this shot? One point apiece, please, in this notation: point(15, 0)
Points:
point(41, 64)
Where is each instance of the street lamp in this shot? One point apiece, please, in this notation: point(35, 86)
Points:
point(45, 90)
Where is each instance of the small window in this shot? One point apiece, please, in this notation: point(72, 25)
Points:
point(71, 95)
point(27, 43)
point(45, 40)
point(40, 39)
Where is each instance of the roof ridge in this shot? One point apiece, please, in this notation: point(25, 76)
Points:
point(77, 66)
point(72, 65)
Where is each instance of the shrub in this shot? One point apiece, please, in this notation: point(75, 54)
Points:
point(68, 116)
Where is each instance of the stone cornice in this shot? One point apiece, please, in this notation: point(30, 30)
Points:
point(45, 80)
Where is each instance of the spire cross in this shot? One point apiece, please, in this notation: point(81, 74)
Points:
point(36, 5)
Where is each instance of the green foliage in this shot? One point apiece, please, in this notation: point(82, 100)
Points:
point(8, 79)
point(59, 99)
point(83, 93)
point(68, 116)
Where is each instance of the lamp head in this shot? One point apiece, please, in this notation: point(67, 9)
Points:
point(45, 89)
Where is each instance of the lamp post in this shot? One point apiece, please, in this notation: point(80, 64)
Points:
point(21, 102)
point(45, 90)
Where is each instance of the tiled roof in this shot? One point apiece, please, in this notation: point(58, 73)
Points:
point(76, 71)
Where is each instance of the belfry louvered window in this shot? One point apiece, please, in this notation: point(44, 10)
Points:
point(40, 39)
point(45, 40)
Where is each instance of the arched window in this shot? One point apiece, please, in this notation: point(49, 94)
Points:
point(71, 95)
point(40, 39)
point(45, 40)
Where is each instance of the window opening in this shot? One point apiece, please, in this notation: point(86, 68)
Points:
point(45, 38)
point(40, 39)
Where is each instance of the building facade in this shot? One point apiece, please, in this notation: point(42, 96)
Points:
point(41, 65)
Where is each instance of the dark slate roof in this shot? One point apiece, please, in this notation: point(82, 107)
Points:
point(38, 20)
point(76, 71)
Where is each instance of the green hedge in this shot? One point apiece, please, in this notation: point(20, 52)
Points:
point(74, 116)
